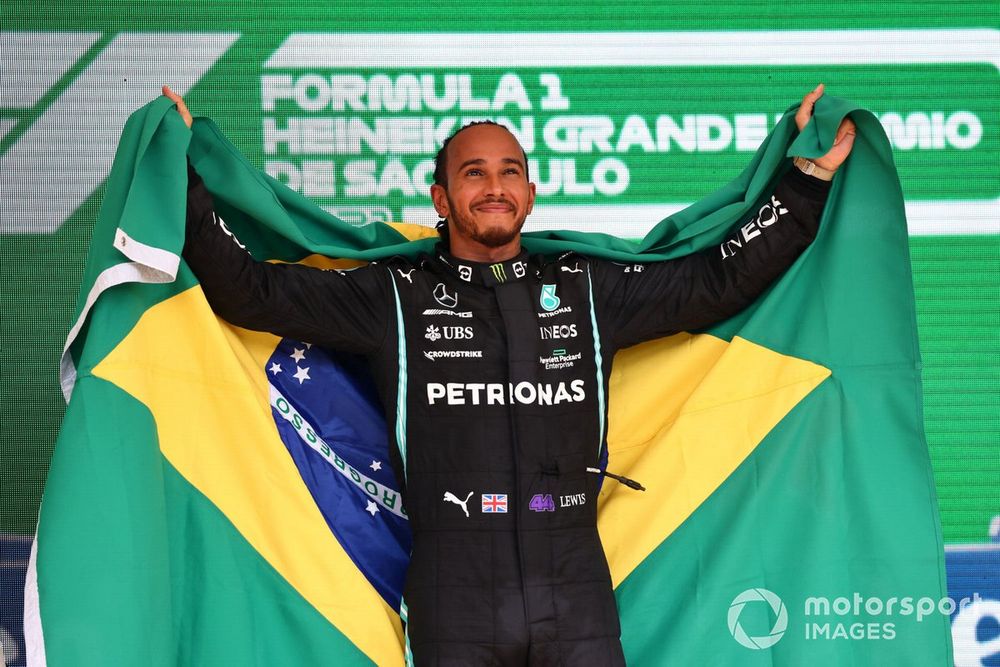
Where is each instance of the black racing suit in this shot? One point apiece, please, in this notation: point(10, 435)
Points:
point(494, 380)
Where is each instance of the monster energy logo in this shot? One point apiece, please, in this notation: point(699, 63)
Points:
point(499, 272)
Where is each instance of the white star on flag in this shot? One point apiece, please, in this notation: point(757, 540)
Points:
point(372, 508)
point(308, 345)
point(275, 368)
point(302, 374)
point(298, 355)
point(376, 465)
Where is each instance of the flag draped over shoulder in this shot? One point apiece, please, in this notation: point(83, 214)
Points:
point(221, 496)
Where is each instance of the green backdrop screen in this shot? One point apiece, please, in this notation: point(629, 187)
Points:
point(627, 114)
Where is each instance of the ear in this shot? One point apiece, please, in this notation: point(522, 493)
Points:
point(531, 197)
point(440, 198)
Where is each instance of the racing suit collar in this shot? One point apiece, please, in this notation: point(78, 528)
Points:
point(488, 274)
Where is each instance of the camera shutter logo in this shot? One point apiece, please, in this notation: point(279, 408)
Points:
point(777, 606)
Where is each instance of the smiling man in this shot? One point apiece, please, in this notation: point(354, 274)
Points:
point(487, 196)
point(493, 367)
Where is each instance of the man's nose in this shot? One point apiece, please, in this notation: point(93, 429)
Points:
point(494, 184)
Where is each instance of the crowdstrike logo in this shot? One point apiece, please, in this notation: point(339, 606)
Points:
point(434, 355)
point(757, 595)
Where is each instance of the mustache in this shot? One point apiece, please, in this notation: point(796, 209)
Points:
point(494, 200)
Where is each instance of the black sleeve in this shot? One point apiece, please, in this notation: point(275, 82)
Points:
point(346, 310)
point(644, 301)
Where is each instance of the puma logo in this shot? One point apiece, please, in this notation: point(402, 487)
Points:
point(576, 268)
point(450, 497)
point(408, 275)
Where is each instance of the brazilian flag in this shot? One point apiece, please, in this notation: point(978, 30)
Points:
point(222, 496)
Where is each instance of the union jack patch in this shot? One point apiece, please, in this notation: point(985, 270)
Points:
point(494, 503)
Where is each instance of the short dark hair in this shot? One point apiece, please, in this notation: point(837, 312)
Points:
point(441, 159)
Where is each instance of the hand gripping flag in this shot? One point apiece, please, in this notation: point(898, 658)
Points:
point(221, 496)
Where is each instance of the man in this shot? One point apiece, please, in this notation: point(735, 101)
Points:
point(493, 369)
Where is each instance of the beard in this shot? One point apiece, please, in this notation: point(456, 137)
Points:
point(494, 236)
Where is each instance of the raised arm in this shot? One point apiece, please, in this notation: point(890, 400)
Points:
point(646, 301)
point(347, 310)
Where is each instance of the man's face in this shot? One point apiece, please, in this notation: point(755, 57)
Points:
point(488, 195)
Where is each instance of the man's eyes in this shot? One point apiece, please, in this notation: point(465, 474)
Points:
point(507, 171)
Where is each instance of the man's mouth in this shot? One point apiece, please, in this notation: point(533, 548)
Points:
point(495, 207)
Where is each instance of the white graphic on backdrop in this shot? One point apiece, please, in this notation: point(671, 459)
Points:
point(315, 74)
point(66, 152)
point(35, 61)
point(49, 157)
point(638, 49)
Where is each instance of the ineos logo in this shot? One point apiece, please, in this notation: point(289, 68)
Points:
point(768, 214)
point(557, 331)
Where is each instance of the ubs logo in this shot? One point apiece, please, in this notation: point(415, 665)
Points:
point(457, 333)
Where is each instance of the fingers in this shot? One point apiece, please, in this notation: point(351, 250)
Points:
point(842, 144)
point(181, 106)
point(844, 140)
point(840, 151)
point(805, 111)
point(846, 130)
